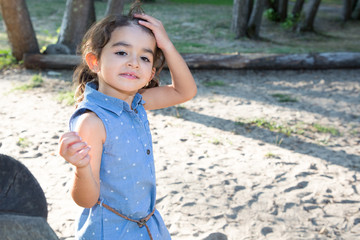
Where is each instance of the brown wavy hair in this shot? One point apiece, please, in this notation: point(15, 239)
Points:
point(98, 36)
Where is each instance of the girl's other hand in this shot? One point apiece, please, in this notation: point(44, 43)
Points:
point(156, 26)
point(74, 150)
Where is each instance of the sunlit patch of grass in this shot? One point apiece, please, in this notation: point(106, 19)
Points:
point(214, 83)
point(6, 59)
point(196, 134)
point(355, 132)
point(271, 155)
point(326, 129)
point(288, 129)
point(4, 43)
point(216, 141)
point(35, 82)
point(66, 97)
point(45, 38)
point(272, 126)
point(23, 142)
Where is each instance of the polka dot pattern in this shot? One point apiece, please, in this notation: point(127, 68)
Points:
point(127, 173)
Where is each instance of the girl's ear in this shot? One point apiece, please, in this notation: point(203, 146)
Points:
point(92, 62)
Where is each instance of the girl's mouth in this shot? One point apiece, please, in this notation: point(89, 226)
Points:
point(129, 75)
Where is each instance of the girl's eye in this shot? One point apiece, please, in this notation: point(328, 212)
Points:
point(145, 59)
point(121, 53)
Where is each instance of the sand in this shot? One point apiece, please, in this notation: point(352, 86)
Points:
point(219, 168)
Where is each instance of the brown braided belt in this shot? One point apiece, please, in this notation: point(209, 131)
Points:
point(142, 222)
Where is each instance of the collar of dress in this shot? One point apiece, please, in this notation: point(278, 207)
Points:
point(112, 104)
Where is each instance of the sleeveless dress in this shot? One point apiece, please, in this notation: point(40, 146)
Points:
point(127, 172)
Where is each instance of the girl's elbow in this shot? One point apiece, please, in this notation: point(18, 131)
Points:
point(85, 203)
point(89, 205)
point(192, 93)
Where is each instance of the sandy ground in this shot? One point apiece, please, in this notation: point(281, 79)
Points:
point(217, 172)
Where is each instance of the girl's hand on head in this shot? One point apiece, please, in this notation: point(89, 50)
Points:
point(74, 150)
point(156, 26)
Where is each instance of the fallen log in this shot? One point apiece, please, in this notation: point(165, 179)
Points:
point(51, 61)
point(258, 61)
point(274, 61)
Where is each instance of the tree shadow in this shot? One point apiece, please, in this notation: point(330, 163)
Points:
point(266, 85)
point(293, 142)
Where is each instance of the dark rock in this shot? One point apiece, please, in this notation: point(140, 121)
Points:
point(16, 227)
point(57, 49)
point(266, 230)
point(20, 193)
point(216, 236)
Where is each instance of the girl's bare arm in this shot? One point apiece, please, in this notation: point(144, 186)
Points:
point(86, 186)
point(183, 87)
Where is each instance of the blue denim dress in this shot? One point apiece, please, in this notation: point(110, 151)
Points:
point(127, 172)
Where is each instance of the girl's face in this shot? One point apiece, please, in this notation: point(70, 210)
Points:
point(126, 62)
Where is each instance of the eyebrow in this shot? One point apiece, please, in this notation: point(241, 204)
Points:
point(125, 44)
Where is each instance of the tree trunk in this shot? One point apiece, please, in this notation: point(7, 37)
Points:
point(115, 7)
point(250, 4)
point(296, 11)
point(307, 24)
point(19, 28)
point(282, 10)
point(240, 18)
point(347, 9)
point(269, 4)
point(356, 12)
point(255, 20)
point(275, 5)
point(78, 17)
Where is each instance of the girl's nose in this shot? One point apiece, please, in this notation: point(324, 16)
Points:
point(133, 63)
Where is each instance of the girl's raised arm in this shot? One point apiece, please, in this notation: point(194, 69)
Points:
point(183, 87)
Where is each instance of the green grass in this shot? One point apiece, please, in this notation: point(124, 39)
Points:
point(272, 126)
point(203, 26)
point(354, 132)
point(212, 2)
point(289, 129)
point(23, 142)
point(189, 47)
point(35, 82)
point(326, 129)
point(270, 155)
point(286, 129)
point(6, 59)
point(216, 141)
point(66, 97)
point(214, 83)
point(283, 97)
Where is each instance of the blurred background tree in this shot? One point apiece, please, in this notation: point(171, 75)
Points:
point(247, 17)
point(195, 26)
point(19, 28)
point(79, 15)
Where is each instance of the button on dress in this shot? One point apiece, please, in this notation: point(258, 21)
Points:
point(127, 172)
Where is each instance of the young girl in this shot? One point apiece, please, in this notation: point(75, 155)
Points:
point(118, 81)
